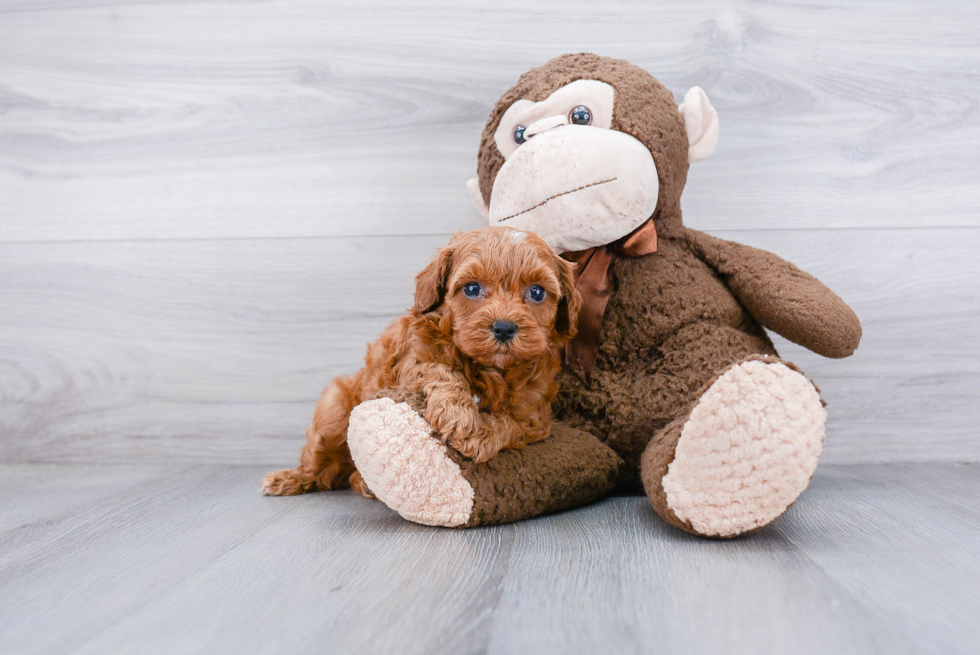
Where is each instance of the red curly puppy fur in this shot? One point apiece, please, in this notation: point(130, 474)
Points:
point(482, 343)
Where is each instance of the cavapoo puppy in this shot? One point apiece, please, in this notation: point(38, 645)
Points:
point(482, 344)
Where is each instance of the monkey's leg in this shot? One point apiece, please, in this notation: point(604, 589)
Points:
point(743, 453)
point(427, 482)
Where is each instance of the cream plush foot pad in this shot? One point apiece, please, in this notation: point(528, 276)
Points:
point(405, 467)
point(747, 451)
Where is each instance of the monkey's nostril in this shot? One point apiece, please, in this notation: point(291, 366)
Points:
point(503, 331)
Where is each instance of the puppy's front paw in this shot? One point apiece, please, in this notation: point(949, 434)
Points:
point(475, 446)
point(455, 420)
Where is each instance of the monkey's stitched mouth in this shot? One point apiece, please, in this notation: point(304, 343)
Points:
point(559, 195)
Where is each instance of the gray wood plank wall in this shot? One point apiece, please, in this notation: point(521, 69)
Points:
point(207, 209)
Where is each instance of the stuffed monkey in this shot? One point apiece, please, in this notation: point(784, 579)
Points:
point(672, 386)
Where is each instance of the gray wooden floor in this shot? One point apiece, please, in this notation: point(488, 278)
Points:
point(191, 559)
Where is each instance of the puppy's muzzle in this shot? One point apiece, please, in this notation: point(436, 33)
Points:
point(503, 331)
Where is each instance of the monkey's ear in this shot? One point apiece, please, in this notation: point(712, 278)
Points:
point(566, 323)
point(430, 284)
point(473, 185)
point(701, 121)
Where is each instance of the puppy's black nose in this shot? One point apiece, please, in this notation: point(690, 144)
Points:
point(503, 331)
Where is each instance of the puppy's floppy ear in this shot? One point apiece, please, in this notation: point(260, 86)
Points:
point(430, 284)
point(566, 323)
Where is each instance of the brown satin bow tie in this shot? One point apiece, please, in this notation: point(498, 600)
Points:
point(593, 279)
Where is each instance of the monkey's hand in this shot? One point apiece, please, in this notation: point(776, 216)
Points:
point(782, 297)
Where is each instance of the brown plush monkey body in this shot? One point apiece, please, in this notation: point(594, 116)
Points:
point(670, 328)
point(678, 377)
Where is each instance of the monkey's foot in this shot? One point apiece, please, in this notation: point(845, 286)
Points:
point(742, 456)
point(405, 467)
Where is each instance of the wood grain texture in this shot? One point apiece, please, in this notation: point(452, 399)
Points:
point(872, 559)
point(207, 209)
point(216, 350)
point(34, 494)
point(923, 533)
point(129, 119)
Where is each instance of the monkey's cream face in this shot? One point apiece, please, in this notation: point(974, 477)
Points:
point(567, 176)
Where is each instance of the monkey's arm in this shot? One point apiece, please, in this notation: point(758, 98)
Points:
point(782, 297)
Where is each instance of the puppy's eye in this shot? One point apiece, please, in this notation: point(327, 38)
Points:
point(581, 115)
point(473, 290)
point(519, 134)
point(536, 293)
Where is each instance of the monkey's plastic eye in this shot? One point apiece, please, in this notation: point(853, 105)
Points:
point(581, 115)
point(519, 134)
point(536, 294)
point(473, 290)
